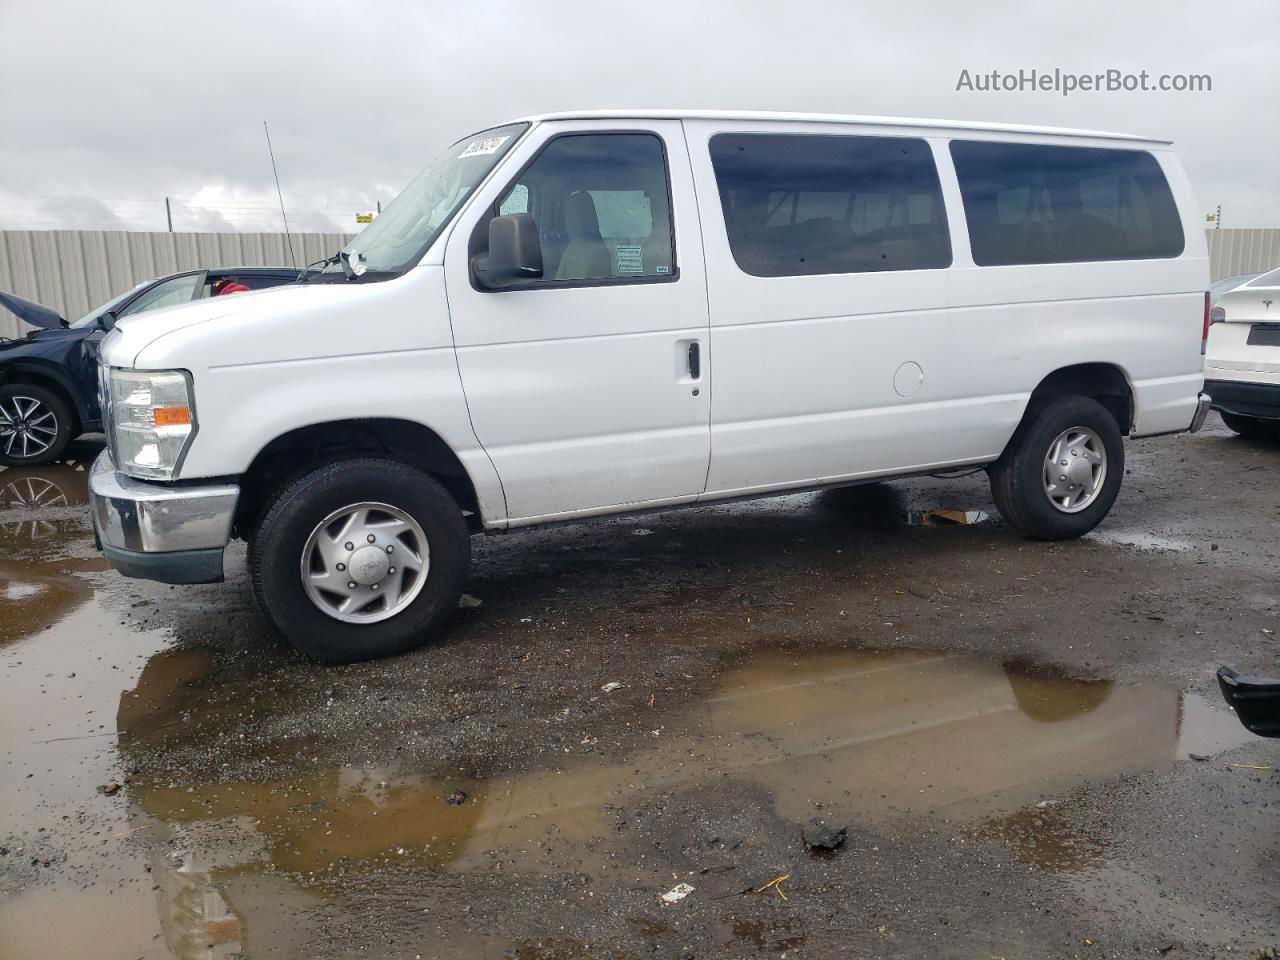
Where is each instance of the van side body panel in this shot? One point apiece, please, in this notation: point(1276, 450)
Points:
point(806, 365)
point(582, 393)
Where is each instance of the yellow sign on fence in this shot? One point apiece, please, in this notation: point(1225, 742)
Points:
point(364, 218)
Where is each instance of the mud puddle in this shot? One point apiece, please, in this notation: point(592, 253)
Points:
point(863, 736)
point(872, 734)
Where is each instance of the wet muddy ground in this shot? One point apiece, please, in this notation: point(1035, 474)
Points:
point(1022, 740)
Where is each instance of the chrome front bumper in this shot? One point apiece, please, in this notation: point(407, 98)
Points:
point(1203, 404)
point(158, 531)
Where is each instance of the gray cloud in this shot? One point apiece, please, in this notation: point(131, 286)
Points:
point(124, 104)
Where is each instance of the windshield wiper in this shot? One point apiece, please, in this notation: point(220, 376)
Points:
point(305, 276)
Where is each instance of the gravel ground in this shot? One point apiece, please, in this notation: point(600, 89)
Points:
point(1007, 729)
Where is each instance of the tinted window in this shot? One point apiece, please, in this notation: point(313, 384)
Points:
point(1027, 203)
point(801, 205)
point(223, 283)
point(601, 205)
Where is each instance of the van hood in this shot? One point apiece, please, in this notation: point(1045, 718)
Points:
point(33, 313)
point(1249, 304)
point(131, 335)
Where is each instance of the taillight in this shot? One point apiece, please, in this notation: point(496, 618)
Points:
point(1208, 315)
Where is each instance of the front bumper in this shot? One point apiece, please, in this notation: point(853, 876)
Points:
point(1246, 399)
point(158, 531)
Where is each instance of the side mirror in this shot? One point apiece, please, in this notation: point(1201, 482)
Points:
point(515, 253)
point(107, 320)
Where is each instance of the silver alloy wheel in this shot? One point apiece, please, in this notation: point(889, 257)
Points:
point(1075, 468)
point(365, 562)
point(27, 425)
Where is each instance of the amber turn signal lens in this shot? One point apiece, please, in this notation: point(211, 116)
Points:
point(172, 416)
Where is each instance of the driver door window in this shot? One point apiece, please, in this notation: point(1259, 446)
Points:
point(602, 208)
point(167, 293)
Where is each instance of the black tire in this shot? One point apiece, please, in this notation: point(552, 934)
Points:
point(275, 556)
point(1017, 478)
point(12, 401)
point(1252, 428)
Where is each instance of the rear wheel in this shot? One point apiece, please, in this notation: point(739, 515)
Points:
point(35, 425)
point(1252, 428)
point(1061, 472)
point(359, 559)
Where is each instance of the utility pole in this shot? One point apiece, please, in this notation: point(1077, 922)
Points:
point(168, 213)
point(379, 208)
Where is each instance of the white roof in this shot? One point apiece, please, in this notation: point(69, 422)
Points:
point(764, 115)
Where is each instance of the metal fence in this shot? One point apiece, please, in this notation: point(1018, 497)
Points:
point(1233, 252)
point(74, 271)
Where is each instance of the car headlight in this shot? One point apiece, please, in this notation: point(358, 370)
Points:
point(152, 420)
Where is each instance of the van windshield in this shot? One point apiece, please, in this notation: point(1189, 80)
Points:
point(413, 220)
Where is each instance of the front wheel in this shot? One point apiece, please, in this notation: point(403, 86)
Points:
point(360, 559)
point(1061, 472)
point(35, 425)
point(1252, 428)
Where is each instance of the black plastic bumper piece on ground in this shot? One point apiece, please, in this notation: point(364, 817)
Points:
point(1245, 399)
point(1255, 700)
point(179, 566)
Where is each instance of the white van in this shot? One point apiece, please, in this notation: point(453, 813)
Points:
point(588, 314)
point(1243, 359)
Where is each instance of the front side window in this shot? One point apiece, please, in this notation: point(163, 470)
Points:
point(1030, 203)
point(601, 205)
point(799, 205)
point(167, 293)
point(411, 222)
point(93, 315)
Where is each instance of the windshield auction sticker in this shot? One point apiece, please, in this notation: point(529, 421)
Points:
point(478, 148)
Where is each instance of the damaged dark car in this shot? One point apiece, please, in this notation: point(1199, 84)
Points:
point(48, 379)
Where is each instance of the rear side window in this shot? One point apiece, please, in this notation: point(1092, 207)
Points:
point(798, 205)
point(1028, 203)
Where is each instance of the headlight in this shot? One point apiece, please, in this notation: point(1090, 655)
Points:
point(152, 420)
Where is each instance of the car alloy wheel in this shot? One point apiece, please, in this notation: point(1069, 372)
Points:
point(28, 427)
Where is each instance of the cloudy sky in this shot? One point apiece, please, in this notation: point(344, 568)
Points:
point(110, 107)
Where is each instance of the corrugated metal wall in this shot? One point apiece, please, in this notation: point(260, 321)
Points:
point(74, 270)
point(1233, 252)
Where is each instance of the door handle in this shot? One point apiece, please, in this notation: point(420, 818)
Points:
point(695, 360)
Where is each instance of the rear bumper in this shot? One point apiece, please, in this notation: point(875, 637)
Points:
point(156, 531)
point(1245, 399)
point(1256, 701)
point(1204, 403)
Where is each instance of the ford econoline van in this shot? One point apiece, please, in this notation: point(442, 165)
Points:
point(589, 314)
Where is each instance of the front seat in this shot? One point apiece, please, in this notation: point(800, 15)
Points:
point(586, 257)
